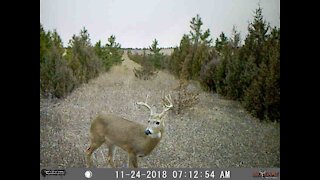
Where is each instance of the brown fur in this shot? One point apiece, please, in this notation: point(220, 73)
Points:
point(113, 131)
point(128, 135)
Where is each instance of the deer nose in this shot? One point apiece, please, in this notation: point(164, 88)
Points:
point(147, 131)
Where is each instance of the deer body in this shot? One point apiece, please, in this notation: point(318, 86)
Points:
point(114, 130)
point(135, 138)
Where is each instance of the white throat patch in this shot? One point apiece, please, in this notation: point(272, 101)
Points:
point(158, 135)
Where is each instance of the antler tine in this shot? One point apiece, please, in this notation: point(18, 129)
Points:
point(145, 104)
point(168, 98)
point(146, 98)
point(167, 106)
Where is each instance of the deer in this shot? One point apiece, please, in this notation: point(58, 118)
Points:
point(137, 139)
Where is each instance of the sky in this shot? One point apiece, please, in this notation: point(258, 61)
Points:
point(136, 23)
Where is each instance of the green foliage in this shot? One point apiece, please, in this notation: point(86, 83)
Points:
point(194, 50)
point(156, 57)
point(110, 54)
point(208, 70)
point(200, 49)
point(249, 73)
point(82, 58)
point(266, 83)
point(154, 47)
point(64, 69)
point(151, 62)
point(262, 53)
point(136, 57)
point(201, 56)
point(272, 97)
point(253, 99)
point(221, 43)
point(227, 76)
point(113, 50)
point(147, 70)
point(56, 77)
point(179, 55)
point(45, 43)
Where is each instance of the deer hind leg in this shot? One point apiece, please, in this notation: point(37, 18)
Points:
point(95, 144)
point(133, 162)
point(111, 151)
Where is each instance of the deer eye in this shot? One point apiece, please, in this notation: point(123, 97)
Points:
point(157, 123)
point(148, 121)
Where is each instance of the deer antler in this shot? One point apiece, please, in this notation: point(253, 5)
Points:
point(146, 105)
point(167, 106)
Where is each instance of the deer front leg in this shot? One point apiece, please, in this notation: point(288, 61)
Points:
point(89, 152)
point(110, 155)
point(133, 163)
point(88, 158)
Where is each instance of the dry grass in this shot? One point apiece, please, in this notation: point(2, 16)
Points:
point(214, 133)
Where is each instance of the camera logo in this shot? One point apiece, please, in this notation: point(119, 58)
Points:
point(46, 172)
point(266, 174)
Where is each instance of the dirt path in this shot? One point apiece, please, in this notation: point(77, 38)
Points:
point(214, 133)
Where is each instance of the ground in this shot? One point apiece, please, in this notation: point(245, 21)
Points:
point(213, 133)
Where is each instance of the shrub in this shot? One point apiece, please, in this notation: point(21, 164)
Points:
point(150, 63)
point(147, 70)
point(82, 58)
point(249, 73)
point(207, 73)
point(56, 76)
point(62, 70)
point(185, 99)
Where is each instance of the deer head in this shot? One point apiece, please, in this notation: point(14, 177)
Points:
point(155, 121)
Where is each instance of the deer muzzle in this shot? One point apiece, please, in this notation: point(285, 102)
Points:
point(147, 131)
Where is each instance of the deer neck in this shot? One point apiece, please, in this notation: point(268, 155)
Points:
point(150, 141)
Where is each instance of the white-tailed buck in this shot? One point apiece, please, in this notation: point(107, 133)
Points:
point(134, 138)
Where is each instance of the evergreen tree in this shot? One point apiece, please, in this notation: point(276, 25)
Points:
point(272, 86)
point(63, 69)
point(207, 73)
point(200, 49)
point(154, 47)
point(261, 76)
point(83, 60)
point(112, 53)
point(98, 49)
point(55, 76)
point(256, 37)
point(234, 67)
point(45, 42)
point(178, 57)
point(156, 58)
point(221, 43)
point(220, 74)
